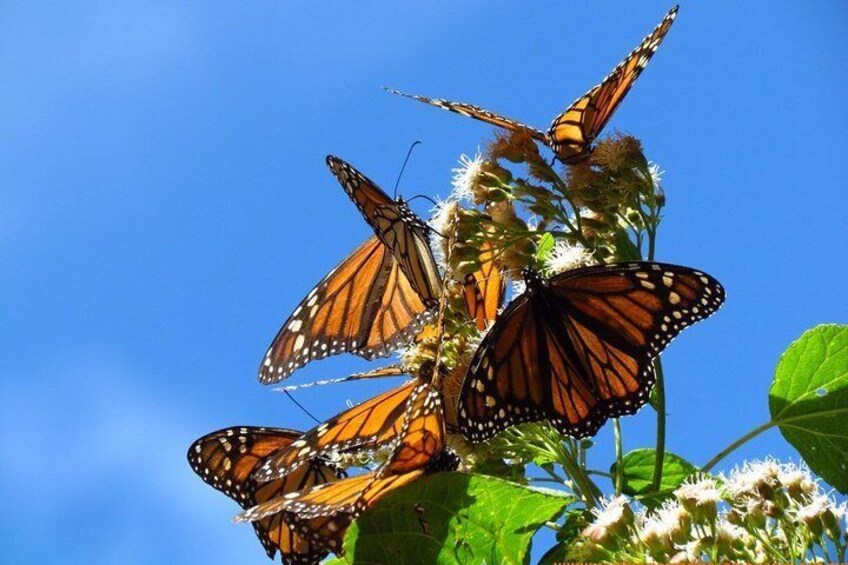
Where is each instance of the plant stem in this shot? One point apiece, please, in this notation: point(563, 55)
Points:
point(619, 457)
point(727, 450)
point(659, 392)
point(588, 490)
point(659, 385)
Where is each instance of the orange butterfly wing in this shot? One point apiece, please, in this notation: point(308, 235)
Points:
point(365, 306)
point(401, 231)
point(321, 514)
point(578, 349)
point(484, 290)
point(373, 423)
point(225, 460)
point(423, 433)
point(572, 132)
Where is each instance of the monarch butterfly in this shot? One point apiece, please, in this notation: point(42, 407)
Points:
point(323, 514)
point(571, 134)
point(375, 300)
point(400, 230)
point(484, 290)
point(374, 423)
point(578, 348)
point(225, 460)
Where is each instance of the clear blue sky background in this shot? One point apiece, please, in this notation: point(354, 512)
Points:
point(164, 204)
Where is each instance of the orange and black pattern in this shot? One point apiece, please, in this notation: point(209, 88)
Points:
point(571, 134)
point(365, 306)
point(401, 231)
point(374, 423)
point(578, 348)
point(225, 460)
point(322, 514)
point(484, 290)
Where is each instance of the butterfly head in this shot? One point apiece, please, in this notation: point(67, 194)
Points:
point(532, 279)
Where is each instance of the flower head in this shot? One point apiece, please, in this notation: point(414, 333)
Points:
point(753, 479)
point(797, 480)
point(730, 537)
point(656, 174)
point(466, 176)
point(565, 256)
point(812, 514)
point(613, 515)
point(443, 219)
point(700, 496)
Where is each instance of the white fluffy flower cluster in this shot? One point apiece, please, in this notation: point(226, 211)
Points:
point(762, 511)
point(465, 177)
point(565, 256)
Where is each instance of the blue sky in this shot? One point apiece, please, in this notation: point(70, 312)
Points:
point(164, 204)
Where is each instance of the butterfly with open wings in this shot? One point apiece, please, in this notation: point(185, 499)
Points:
point(578, 348)
point(572, 133)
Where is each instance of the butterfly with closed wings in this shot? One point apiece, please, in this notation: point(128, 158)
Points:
point(375, 300)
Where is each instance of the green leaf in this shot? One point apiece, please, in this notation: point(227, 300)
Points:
point(546, 243)
point(452, 518)
point(809, 401)
point(639, 471)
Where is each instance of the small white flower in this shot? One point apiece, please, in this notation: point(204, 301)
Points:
point(797, 479)
point(729, 533)
point(465, 176)
point(654, 531)
point(565, 256)
point(701, 491)
point(815, 509)
point(442, 217)
point(611, 511)
point(656, 174)
point(747, 480)
point(695, 549)
point(610, 517)
point(674, 516)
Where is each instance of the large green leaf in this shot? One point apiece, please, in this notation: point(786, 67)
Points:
point(452, 518)
point(638, 471)
point(809, 401)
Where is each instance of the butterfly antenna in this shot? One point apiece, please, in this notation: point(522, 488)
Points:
point(299, 405)
point(405, 161)
point(425, 197)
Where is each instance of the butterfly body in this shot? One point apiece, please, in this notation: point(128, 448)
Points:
point(578, 348)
